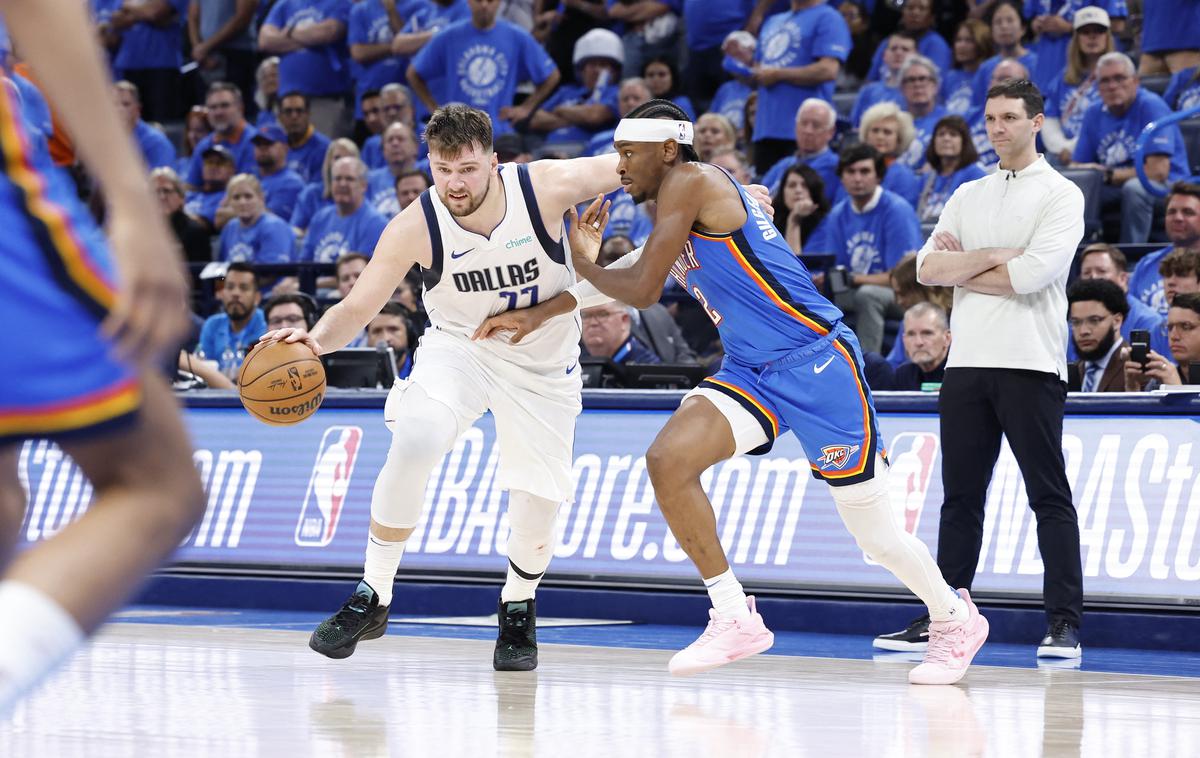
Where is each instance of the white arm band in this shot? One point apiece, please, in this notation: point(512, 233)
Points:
point(586, 294)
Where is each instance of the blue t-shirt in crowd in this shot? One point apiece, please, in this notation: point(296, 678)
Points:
point(957, 88)
point(983, 75)
point(369, 25)
point(281, 190)
point(1170, 25)
point(315, 71)
point(795, 39)
point(942, 187)
point(145, 45)
point(218, 341)
point(372, 151)
point(824, 163)
point(381, 192)
point(1112, 141)
point(730, 102)
point(156, 149)
point(1069, 102)
point(1183, 91)
point(241, 147)
point(311, 200)
point(1146, 284)
point(707, 22)
point(267, 240)
point(870, 94)
point(914, 156)
point(331, 235)
point(575, 94)
point(1052, 49)
point(980, 138)
point(204, 204)
point(872, 241)
point(931, 45)
point(483, 67)
point(307, 158)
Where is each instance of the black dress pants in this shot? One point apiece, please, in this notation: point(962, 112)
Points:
point(977, 407)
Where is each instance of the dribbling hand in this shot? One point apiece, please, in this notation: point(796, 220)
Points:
point(292, 334)
point(511, 324)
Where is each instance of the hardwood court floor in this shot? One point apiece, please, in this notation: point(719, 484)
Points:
point(168, 690)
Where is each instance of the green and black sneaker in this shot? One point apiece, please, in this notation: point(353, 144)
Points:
point(361, 618)
point(516, 647)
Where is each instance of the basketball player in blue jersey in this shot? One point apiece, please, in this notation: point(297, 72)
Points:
point(83, 327)
point(789, 363)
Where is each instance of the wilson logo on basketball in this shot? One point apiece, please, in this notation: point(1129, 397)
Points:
point(298, 409)
point(837, 456)
point(328, 485)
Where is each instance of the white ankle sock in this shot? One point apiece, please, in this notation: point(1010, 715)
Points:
point(379, 568)
point(956, 609)
point(26, 658)
point(727, 595)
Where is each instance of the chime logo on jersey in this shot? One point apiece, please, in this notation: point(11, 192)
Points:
point(327, 486)
point(837, 456)
point(496, 277)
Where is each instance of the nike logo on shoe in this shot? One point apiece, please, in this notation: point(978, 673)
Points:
point(455, 255)
point(823, 366)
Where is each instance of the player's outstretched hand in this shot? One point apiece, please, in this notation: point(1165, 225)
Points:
point(292, 334)
point(587, 231)
point(762, 196)
point(511, 324)
point(149, 317)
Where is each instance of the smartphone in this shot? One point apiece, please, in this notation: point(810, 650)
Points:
point(1139, 342)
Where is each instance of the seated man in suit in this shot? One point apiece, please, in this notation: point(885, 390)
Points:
point(1096, 309)
point(653, 327)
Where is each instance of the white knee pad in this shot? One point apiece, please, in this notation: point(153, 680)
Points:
point(866, 511)
point(424, 430)
point(532, 523)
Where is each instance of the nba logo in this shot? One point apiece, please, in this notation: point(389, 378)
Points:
point(328, 485)
point(913, 455)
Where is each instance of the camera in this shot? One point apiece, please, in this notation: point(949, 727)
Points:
point(1139, 342)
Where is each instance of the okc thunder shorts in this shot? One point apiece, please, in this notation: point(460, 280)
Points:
point(818, 392)
point(59, 379)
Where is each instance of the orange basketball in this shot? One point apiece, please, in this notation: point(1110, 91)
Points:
point(281, 383)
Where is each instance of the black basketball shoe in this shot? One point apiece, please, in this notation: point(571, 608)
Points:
point(516, 647)
point(1061, 641)
point(915, 637)
point(361, 618)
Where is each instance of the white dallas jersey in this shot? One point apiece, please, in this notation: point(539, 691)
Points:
point(472, 277)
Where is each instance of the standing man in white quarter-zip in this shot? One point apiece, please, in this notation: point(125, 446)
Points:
point(1005, 243)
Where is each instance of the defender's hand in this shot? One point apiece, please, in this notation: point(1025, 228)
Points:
point(586, 232)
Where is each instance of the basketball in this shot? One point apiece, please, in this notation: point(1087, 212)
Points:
point(281, 383)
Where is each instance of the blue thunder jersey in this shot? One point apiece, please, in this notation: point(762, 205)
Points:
point(59, 379)
point(755, 289)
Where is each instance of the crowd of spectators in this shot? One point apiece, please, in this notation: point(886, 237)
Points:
point(288, 132)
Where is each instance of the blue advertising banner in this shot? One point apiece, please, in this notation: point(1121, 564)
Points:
point(300, 497)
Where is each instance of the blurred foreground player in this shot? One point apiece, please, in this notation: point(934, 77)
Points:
point(69, 312)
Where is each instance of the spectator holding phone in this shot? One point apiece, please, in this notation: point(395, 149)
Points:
point(1147, 370)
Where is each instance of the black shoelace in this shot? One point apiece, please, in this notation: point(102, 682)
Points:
point(353, 612)
point(1059, 629)
point(514, 627)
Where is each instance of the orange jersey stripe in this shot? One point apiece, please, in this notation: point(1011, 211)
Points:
point(766, 288)
point(866, 413)
point(21, 172)
point(742, 393)
point(76, 413)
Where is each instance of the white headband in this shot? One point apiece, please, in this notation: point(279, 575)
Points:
point(653, 130)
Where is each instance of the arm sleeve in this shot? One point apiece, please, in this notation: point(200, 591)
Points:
point(905, 237)
point(356, 32)
point(1052, 135)
point(586, 294)
point(277, 17)
point(1052, 248)
point(832, 38)
point(537, 62)
point(428, 61)
point(1085, 141)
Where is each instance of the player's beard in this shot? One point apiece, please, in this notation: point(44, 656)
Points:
point(472, 203)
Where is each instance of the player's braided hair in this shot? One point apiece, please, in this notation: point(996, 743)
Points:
point(666, 109)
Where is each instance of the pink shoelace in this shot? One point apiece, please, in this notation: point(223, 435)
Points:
point(943, 639)
point(715, 627)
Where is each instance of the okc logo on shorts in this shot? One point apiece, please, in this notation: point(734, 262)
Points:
point(328, 485)
point(837, 456)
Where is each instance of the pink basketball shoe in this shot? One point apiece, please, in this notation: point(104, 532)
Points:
point(724, 641)
point(952, 646)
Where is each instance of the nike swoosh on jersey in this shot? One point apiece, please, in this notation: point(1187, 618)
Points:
point(823, 366)
point(572, 367)
point(459, 255)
